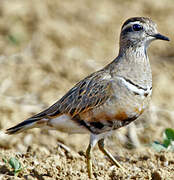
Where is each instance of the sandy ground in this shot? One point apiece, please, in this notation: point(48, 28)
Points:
point(48, 46)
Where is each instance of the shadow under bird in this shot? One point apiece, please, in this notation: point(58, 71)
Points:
point(109, 98)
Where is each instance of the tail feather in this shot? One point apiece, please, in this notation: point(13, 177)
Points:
point(27, 124)
point(34, 121)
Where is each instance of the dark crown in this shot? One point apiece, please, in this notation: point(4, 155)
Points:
point(140, 19)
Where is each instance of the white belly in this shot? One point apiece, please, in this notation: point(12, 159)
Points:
point(65, 124)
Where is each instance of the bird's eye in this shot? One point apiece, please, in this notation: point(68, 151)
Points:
point(137, 27)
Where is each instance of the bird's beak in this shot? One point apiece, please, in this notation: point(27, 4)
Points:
point(161, 37)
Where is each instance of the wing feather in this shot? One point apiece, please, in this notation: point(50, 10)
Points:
point(89, 93)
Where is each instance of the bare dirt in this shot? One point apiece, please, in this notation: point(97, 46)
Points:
point(48, 46)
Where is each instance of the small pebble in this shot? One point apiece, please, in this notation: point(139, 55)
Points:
point(166, 163)
point(112, 168)
point(151, 165)
point(36, 162)
point(156, 176)
point(162, 158)
point(45, 150)
point(28, 139)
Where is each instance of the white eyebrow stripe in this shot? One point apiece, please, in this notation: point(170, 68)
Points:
point(129, 24)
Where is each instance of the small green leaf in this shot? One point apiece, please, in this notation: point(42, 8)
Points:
point(13, 39)
point(158, 147)
point(4, 160)
point(169, 133)
point(15, 164)
point(166, 142)
point(17, 171)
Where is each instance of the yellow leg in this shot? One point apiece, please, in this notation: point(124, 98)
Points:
point(108, 154)
point(89, 162)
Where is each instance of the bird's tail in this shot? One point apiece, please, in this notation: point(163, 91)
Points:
point(27, 124)
point(35, 121)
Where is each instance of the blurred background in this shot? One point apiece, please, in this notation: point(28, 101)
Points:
point(48, 46)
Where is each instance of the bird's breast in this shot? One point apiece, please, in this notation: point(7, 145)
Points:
point(127, 103)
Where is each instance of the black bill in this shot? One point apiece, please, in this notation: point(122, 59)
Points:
point(160, 36)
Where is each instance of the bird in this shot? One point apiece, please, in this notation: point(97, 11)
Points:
point(109, 98)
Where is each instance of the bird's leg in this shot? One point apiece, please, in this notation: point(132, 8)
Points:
point(108, 154)
point(92, 143)
point(89, 162)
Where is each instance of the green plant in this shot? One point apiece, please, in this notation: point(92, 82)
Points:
point(168, 141)
point(14, 164)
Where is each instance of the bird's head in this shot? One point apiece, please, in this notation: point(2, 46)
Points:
point(139, 31)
